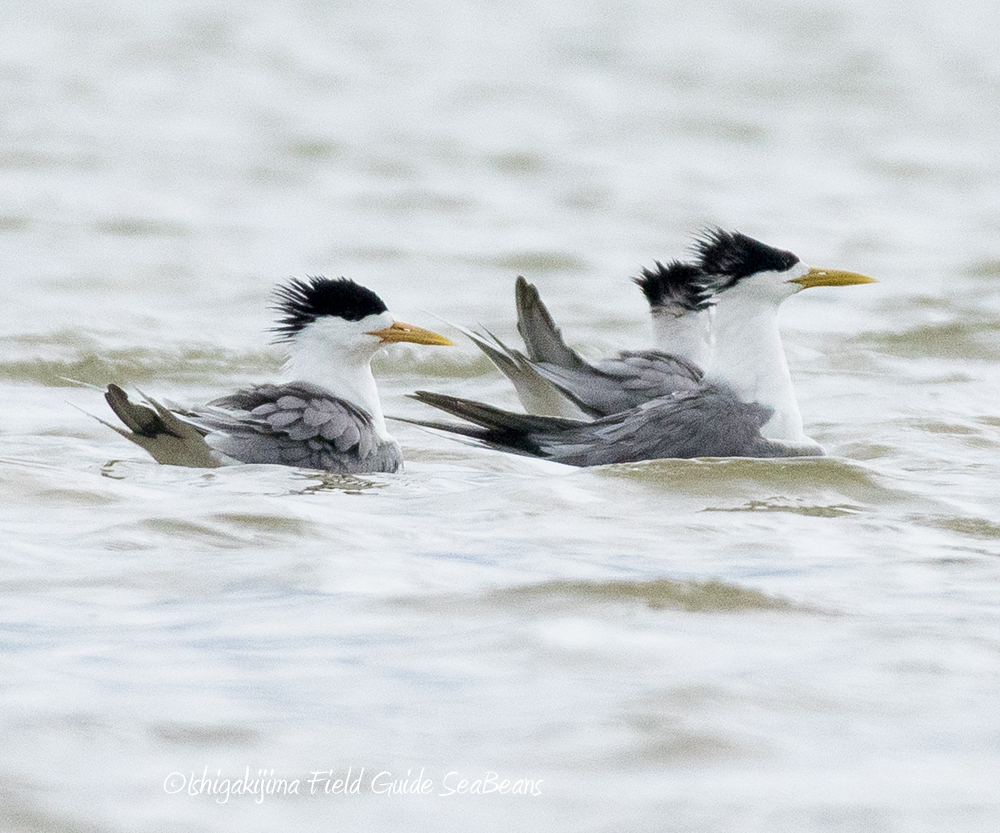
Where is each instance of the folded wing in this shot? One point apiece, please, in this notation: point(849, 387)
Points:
point(708, 421)
point(297, 424)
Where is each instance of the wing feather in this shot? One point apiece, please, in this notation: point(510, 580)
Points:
point(707, 421)
point(297, 424)
point(624, 382)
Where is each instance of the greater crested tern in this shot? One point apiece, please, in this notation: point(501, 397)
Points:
point(326, 415)
point(652, 404)
point(718, 314)
point(752, 281)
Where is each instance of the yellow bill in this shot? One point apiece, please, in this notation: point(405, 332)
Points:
point(831, 277)
point(407, 332)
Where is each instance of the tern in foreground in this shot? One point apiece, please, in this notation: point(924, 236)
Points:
point(327, 415)
point(718, 384)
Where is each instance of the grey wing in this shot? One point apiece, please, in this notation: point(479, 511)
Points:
point(541, 336)
point(554, 380)
point(297, 424)
point(624, 382)
point(609, 387)
point(709, 421)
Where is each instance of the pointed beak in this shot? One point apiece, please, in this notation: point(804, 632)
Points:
point(831, 277)
point(407, 332)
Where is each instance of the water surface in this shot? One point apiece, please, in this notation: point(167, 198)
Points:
point(706, 645)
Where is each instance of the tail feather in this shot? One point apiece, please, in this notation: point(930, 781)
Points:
point(508, 361)
point(168, 440)
point(493, 427)
point(540, 333)
point(537, 394)
point(489, 416)
point(137, 418)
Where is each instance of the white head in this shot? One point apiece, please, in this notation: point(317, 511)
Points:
point(739, 266)
point(333, 328)
point(751, 281)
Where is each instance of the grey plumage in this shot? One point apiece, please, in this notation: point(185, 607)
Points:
point(552, 375)
point(537, 393)
point(623, 382)
point(294, 424)
point(298, 424)
point(708, 421)
point(655, 404)
point(542, 337)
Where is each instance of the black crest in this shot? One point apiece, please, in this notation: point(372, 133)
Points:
point(301, 302)
point(734, 256)
point(678, 285)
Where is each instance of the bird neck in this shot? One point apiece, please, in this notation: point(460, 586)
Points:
point(346, 374)
point(748, 356)
point(683, 333)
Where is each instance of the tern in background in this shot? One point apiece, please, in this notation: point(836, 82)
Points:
point(554, 380)
point(741, 403)
point(327, 415)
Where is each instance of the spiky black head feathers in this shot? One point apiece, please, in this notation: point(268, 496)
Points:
point(733, 256)
point(682, 286)
point(301, 302)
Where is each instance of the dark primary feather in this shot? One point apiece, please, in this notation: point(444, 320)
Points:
point(733, 256)
point(680, 286)
point(493, 426)
point(541, 336)
point(168, 439)
point(297, 424)
point(708, 422)
point(301, 302)
point(139, 419)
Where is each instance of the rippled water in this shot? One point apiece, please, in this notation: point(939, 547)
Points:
point(714, 645)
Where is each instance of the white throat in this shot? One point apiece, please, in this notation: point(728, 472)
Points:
point(336, 355)
point(748, 356)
